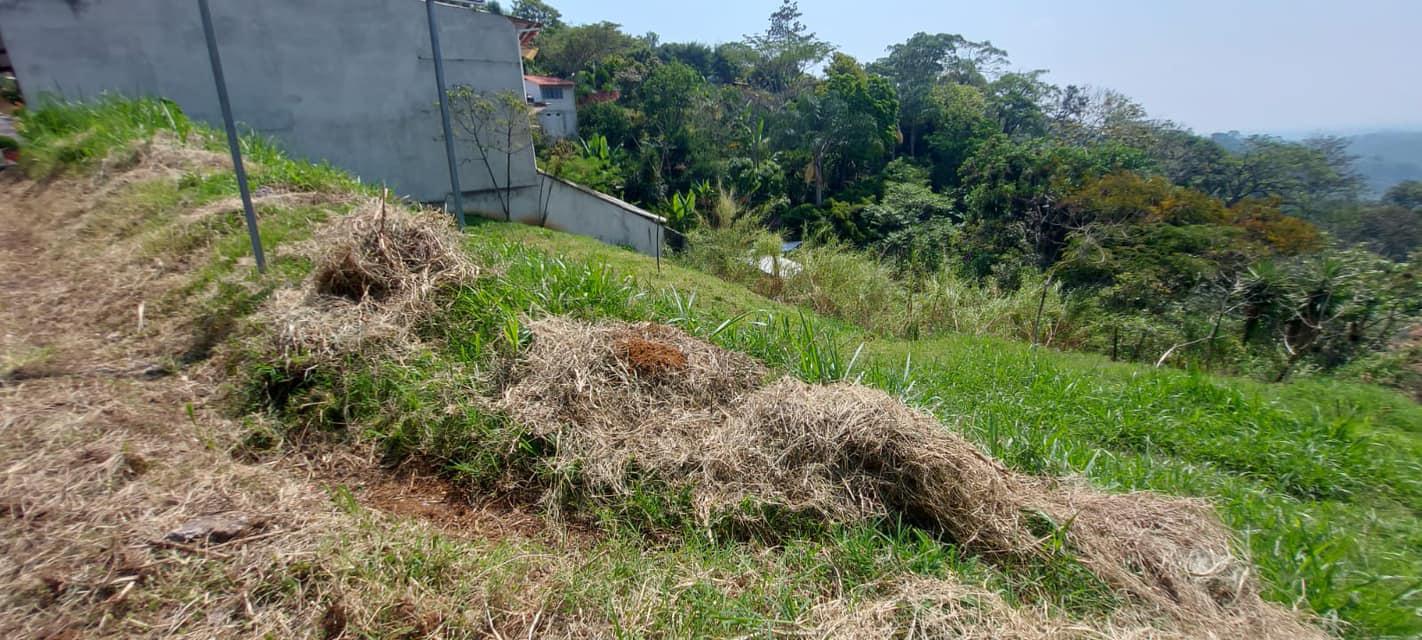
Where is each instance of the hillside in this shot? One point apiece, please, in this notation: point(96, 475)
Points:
point(403, 417)
point(1386, 158)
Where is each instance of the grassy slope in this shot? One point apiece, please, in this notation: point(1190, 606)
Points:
point(1321, 478)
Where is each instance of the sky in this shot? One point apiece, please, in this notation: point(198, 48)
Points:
point(1288, 67)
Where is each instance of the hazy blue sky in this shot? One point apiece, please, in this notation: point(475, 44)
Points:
point(1253, 65)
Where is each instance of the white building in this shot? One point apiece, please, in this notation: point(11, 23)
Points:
point(554, 103)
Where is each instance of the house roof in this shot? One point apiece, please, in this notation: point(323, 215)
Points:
point(527, 30)
point(548, 81)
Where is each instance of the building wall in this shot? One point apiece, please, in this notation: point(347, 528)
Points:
point(576, 209)
point(558, 123)
point(557, 116)
point(346, 81)
point(350, 82)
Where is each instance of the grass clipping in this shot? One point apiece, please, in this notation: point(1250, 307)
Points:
point(377, 273)
point(625, 401)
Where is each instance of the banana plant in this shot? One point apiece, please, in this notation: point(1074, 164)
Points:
point(682, 215)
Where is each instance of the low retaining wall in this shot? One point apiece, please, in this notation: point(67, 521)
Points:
point(573, 208)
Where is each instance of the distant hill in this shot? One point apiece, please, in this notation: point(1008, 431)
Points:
point(1387, 158)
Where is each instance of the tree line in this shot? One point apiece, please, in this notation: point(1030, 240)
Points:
point(1246, 253)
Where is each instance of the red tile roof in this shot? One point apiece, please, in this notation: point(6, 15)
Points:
point(546, 80)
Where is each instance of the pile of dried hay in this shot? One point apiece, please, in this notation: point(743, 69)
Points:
point(615, 398)
point(377, 272)
point(380, 254)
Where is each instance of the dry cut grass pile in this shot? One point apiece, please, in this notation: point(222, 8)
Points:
point(377, 271)
point(618, 399)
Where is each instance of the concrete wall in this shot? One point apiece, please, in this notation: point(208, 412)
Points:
point(558, 122)
point(346, 81)
point(577, 209)
point(565, 206)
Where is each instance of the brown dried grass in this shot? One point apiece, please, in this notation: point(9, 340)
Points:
point(100, 460)
point(377, 274)
point(919, 607)
point(845, 452)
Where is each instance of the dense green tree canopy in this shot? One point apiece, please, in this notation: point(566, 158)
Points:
point(942, 156)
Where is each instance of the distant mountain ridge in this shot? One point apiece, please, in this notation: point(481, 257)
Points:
point(1386, 158)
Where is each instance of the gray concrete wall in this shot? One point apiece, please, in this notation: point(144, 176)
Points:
point(346, 81)
point(572, 208)
point(350, 82)
point(576, 209)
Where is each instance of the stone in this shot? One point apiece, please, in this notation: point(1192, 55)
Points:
point(214, 529)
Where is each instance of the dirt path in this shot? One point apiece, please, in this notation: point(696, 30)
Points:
point(107, 445)
point(104, 447)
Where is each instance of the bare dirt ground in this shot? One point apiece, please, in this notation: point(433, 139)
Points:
point(108, 445)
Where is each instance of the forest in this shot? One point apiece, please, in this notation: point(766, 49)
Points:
point(940, 188)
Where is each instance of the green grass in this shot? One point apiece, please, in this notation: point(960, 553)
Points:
point(75, 136)
point(1320, 478)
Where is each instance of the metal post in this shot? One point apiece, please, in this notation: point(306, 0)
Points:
point(438, 56)
point(232, 141)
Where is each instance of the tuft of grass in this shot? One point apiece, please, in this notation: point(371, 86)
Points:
point(62, 136)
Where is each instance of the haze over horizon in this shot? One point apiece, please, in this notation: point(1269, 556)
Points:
point(1276, 66)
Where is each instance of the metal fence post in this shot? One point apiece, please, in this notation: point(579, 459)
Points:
point(232, 141)
point(438, 56)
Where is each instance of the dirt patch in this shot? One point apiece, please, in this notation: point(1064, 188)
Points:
point(453, 510)
point(650, 357)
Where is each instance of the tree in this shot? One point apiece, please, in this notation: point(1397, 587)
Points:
point(786, 50)
point(847, 125)
point(960, 122)
point(908, 209)
point(734, 63)
point(1083, 116)
point(1015, 191)
point(1304, 176)
point(540, 12)
point(568, 52)
point(1184, 158)
point(1272, 230)
point(498, 126)
point(924, 62)
point(670, 99)
point(916, 66)
point(1016, 100)
point(1407, 195)
point(698, 56)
